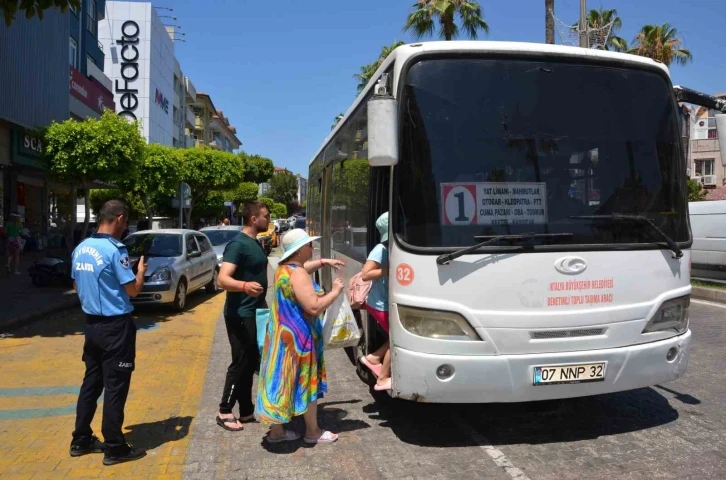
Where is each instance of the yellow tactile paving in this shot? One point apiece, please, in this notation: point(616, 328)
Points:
point(41, 371)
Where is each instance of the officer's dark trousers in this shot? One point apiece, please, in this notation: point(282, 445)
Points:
point(242, 333)
point(109, 354)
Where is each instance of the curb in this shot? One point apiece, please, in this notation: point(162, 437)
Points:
point(23, 320)
point(710, 294)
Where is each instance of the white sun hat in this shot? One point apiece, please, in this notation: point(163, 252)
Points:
point(293, 241)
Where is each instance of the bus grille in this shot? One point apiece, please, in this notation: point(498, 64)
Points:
point(581, 332)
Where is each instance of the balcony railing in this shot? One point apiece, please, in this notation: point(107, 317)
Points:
point(190, 118)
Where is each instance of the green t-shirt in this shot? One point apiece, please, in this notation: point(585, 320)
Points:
point(12, 230)
point(251, 261)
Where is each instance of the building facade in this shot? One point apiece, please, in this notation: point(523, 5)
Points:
point(211, 127)
point(140, 61)
point(34, 91)
point(302, 189)
point(705, 156)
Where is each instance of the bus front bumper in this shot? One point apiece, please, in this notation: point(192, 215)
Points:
point(510, 378)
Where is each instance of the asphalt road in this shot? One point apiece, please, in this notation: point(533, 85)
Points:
point(667, 431)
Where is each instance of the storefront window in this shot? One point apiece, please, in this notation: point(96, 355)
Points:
point(60, 220)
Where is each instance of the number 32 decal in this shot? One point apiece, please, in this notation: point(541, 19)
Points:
point(404, 274)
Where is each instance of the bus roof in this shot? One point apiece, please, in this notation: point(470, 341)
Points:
point(403, 52)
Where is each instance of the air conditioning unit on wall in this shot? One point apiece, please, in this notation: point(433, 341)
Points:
point(708, 180)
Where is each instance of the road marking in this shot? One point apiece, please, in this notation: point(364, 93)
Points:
point(494, 453)
point(710, 304)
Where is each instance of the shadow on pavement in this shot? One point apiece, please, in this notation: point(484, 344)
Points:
point(681, 397)
point(532, 423)
point(329, 418)
point(155, 434)
point(72, 321)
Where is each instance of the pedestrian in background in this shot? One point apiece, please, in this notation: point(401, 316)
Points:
point(244, 276)
point(292, 374)
point(16, 243)
point(102, 275)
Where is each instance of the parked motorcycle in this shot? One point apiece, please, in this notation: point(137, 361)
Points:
point(50, 271)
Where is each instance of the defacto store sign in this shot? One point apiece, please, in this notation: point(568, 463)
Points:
point(93, 96)
point(129, 69)
point(494, 203)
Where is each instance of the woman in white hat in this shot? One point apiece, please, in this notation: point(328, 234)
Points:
point(292, 371)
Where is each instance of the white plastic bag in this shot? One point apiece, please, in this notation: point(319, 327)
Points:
point(340, 329)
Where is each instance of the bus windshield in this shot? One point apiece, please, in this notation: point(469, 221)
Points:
point(494, 147)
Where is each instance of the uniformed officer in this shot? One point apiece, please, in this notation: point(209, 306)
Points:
point(104, 278)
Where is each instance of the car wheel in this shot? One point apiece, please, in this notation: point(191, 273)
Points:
point(212, 286)
point(180, 297)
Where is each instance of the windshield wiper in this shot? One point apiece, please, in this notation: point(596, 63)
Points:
point(447, 257)
point(672, 245)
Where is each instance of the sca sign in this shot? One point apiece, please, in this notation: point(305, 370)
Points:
point(161, 101)
point(129, 69)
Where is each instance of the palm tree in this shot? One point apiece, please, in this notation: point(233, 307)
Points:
point(662, 44)
point(422, 21)
point(549, 22)
point(602, 17)
point(367, 71)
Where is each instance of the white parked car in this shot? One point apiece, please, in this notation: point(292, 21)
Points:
point(179, 263)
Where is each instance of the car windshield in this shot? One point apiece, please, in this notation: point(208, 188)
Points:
point(507, 147)
point(154, 245)
point(220, 237)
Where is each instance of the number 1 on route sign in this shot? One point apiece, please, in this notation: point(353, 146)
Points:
point(459, 204)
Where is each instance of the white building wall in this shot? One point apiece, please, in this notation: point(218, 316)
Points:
point(155, 66)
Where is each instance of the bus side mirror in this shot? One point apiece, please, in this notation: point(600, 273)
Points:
point(721, 129)
point(383, 131)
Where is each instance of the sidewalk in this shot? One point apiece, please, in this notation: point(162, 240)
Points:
point(22, 302)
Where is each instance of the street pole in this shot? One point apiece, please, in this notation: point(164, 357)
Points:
point(181, 205)
point(584, 41)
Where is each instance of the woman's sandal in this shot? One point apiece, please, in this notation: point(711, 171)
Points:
point(382, 387)
point(222, 422)
point(326, 437)
point(376, 369)
point(290, 436)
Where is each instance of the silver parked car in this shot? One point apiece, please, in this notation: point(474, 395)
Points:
point(220, 236)
point(179, 262)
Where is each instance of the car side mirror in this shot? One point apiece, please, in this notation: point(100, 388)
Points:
point(196, 254)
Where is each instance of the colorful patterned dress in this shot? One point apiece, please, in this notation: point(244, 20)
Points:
point(292, 372)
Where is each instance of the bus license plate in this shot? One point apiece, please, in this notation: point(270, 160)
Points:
point(588, 372)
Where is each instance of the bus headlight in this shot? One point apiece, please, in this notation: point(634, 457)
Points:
point(436, 324)
point(673, 314)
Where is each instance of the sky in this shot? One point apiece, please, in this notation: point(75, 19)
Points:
point(282, 70)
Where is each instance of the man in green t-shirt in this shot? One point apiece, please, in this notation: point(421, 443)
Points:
point(244, 276)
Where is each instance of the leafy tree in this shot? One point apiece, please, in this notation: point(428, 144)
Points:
point(102, 195)
point(159, 172)
point(601, 17)
point(108, 149)
point(278, 210)
point(258, 169)
point(367, 71)
point(245, 192)
point(267, 201)
point(696, 193)
point(283, 188)
point(422, 21)
point(33, 8)
point(338, 118)
point(661, 43)
point(206, 170)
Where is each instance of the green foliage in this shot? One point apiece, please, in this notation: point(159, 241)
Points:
point(101, 196)
point(422, 21)
point(696, 193)
point(283, 188)
point(258, 169)
point(278, 210)
point(351, 190)
point(600, 18)
point(33, 8)
point(209, 206)
point(661, 43)
point(108, 149)
point(267, 201)
point(367, 71)
point(206, 170)
point(245, 192)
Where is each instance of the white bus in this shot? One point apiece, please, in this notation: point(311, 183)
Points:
point(708, 222)
point(539, 234)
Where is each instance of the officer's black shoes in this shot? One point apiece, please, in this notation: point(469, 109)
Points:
point(95, 446)
point(131, 454)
